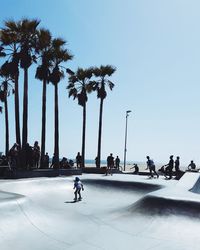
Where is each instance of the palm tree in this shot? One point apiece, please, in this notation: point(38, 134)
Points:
point(102, 73)
point(5, 89)
point(27, 32)
point(10, 47)
point(79, 86)
point(60, 55)
point(44, 49)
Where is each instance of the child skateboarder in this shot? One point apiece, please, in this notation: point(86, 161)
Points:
point(78, 186)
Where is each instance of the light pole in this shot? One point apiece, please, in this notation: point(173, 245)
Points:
point(125, 149)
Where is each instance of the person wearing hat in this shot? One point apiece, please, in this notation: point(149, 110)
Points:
point(78, 186)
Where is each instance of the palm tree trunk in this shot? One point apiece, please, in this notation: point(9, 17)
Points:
point(25, 109)
point(43, 135)
point(17, 123)
point(83, 136)
point(6, 121)
point(99, 136)
point(56, 133)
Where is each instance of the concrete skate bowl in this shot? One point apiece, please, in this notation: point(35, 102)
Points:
point(128, 186)
point(151, 205)
point(36, 215)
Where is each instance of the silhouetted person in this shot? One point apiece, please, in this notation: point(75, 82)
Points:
point(177, 166)
point(192, 166)
point(46, 160)
point(169, 167)
point(36, 154)
point(3, 161)
point(13, 156)
point(53, 162)
point(28, 156)
point(151, 166)
point(78, 160)
point(96, 162)
point(136, 171)
point(64, 163)
point(117, 162)
point(110, 164)
point(70, 163)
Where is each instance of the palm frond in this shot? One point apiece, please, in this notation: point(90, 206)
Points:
point(70, 72)
point(73, 92)
point(43, 39)
point(111, 84)
point(70, 86)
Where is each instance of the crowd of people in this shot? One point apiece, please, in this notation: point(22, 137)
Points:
point(30, 155)
point(169, 169)
point(32, 161)
point(172, 168)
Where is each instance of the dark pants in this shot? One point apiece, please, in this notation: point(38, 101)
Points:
point(77, 191)
point(168, 171)
point(153, 171)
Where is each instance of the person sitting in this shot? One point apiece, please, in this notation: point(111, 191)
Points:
point(3, 161)
point(64, 163)
point(192, 166)
point(136, 171)
point(70, 163)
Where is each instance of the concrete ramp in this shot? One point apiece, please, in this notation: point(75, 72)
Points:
point(189, 180)
point(196, 187)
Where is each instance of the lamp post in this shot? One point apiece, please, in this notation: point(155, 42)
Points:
point(125, 149)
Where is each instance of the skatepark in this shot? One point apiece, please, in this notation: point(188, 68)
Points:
point(116, 212)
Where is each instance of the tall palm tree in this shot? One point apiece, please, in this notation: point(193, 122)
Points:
point(44, 49)
point(79, 86)
point(5, 89)
point(10, 48)
point(60, 55)
point(102, 73)
point(27, 32)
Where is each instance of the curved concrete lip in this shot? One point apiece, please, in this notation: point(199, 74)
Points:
point(117, 212)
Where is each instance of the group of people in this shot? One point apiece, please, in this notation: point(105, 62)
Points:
point(112, 163)
point(29, 154)
point(64, 163)
point(172, 167)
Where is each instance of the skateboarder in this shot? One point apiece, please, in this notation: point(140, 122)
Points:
point(78, 186)
point(151, 166)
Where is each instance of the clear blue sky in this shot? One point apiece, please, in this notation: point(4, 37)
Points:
point(155, 46)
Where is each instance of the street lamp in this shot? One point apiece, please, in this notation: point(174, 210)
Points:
point(125, 149)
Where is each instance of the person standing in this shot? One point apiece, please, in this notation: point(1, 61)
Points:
point(152, 168)
point(169, 168)
point(46, 160)
point(110, 164)
point(117, 162)
point(177, 166)
point(78, 160)
point(36, 154)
